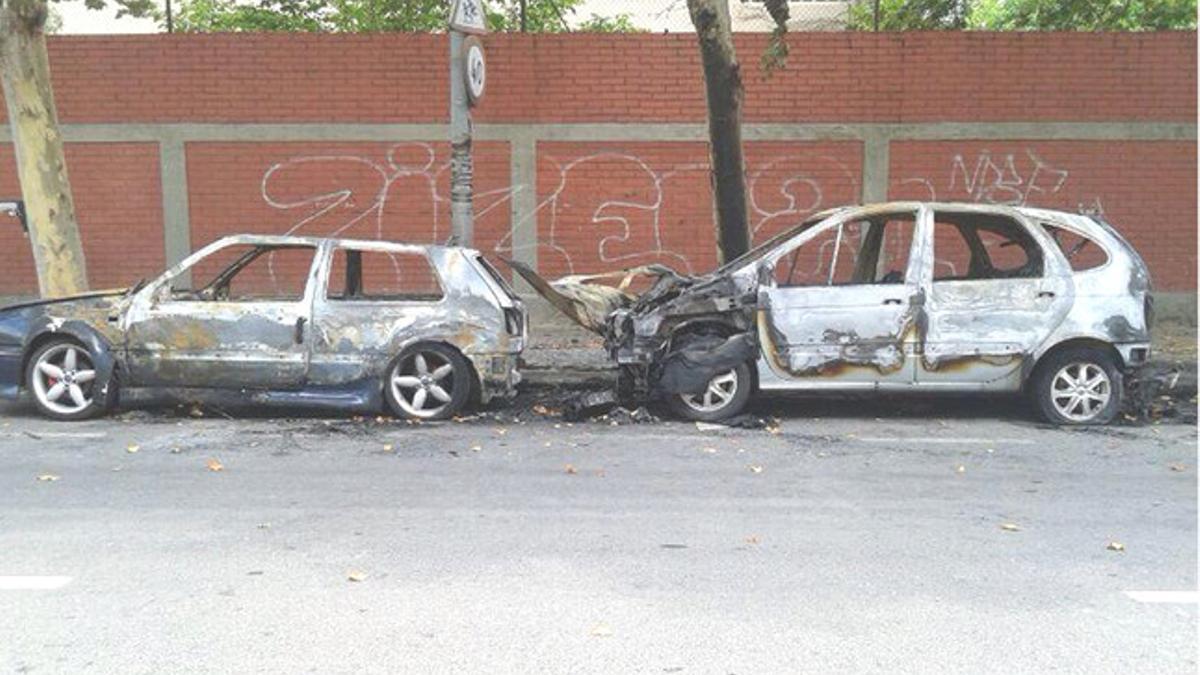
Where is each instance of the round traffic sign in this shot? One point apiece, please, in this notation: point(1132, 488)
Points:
point(476, 69)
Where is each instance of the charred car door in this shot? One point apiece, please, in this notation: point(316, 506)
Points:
point(837, 304)
point(245, 327)
point(994, 295)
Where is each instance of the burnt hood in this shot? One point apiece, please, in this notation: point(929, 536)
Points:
point(91, 295)
point(589, 299)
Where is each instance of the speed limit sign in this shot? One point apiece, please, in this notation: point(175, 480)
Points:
point(475, 66)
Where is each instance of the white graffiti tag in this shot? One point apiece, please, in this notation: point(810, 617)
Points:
point(1003, 179)
point(608, 208)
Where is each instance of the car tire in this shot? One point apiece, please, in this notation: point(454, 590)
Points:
point(712, 406)
point(61, 377)
point(1078, 386)
point(427, 382)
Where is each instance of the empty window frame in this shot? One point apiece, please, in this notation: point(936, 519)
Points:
point(867, 251)
point(970, 246)
point(373, 275)
point(249, 273)
point(1081, 252)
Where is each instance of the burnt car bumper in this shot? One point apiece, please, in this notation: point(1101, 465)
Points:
point(497, 374)
point(10, 371)
point(1134, 354)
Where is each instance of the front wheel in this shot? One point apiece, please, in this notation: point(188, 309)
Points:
point(1078, 386)
point(62, 377)
point(726, 395)
point(428, 382)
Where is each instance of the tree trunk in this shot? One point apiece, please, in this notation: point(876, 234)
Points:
point(41, 166)
point(723, 88)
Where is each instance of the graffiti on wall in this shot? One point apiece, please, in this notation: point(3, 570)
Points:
point(599, 210)
point(1012, 179)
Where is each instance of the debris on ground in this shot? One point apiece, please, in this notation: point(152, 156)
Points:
point(356, 576)
point(1160, 392)
point(48, 477)
point(744, 421)
point(214, 465)
point(1116, 546)
point(589, 404)
point(621, 416)
point(1010, 527)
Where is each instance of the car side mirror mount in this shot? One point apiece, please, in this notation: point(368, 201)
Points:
point(766, 273)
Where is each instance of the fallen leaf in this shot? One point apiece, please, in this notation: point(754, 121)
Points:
point(1010, 527)
point(755, 468)
point(132, 448)
point(501, 431)
point(48, 477)
point(1116, 546)
point(570, 469)
point(356, 576)
point(602, 630)
point(752, 539)
point(1177, 467)
point(214, 465)
point(388, 447)
point(476, 448)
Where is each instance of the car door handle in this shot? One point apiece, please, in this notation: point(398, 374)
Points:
point(1046, 294)
point(300, 330)
point(892, 301)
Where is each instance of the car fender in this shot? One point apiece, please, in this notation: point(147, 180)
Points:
point(104, 355)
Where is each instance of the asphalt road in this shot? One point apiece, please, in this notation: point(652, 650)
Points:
point(859, 538)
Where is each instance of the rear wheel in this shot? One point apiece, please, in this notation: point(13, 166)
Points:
point(428, 382)
point(62, 378)
point(1078, 386)
point(726, 395)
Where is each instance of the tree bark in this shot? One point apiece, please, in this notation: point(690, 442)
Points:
point(724, 93)
point(38, 145)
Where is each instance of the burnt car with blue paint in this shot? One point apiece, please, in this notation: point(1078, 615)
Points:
point(895, 297)
point(421, 331)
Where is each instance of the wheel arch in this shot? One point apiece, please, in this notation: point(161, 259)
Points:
point(103, 357)
point(475, 378)
point(1073, 343)
point(717, 324)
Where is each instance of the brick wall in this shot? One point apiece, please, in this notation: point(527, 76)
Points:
point(601, 203)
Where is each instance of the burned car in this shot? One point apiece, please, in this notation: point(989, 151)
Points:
point(898, 297)
point(298, 321)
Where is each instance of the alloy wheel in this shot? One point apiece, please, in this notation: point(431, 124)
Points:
point(423, 384)
point(63, 379)
point(720, 391)
point(1080, 391)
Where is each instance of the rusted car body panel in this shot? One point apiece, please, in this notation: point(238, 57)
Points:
point(312, 350)
point(913, 330)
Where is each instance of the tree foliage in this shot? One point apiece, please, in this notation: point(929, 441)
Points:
point(1083, 14)
point(1016, 15)
point(358, 16)
point(910, 15)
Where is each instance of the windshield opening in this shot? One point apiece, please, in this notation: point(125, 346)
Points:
point(770, 244)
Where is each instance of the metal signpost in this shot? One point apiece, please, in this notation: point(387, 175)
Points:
point(468, 76)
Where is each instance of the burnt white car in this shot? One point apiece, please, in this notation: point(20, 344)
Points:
point(897, 297)
point(422, 331)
